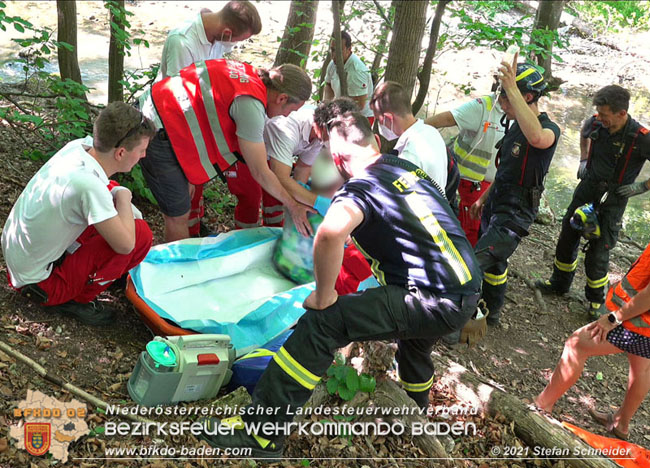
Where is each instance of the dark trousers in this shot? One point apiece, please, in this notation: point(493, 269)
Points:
point(416, 319)
point(610, 214)
point(507, 215)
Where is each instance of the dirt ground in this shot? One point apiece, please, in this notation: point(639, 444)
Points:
point(518, 357)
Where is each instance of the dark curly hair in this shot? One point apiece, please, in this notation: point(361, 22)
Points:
point(326, 112)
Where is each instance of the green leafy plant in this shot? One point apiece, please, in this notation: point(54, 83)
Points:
point(346, 382)
point(612, 16)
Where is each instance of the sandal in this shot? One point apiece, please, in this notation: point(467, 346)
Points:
point(607, 419)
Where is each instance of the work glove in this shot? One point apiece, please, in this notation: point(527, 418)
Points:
point(322, 204)
point(474, 330)
point(582, 169)
point(631, 190)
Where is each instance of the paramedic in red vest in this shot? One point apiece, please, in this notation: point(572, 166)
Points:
point(613, 149)
point(209, 117)
point(480, 127)
point(72, 232)
point(210, 35)
point(623, 327)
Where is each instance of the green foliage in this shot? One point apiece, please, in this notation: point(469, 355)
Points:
point(121, 27)
point(481, 27)
point(346, 381)
point(612, 16)
point(71, 119)
point(135, 182)
point(221, 201)
point(136, 81)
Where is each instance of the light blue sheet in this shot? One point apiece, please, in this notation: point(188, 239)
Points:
point(225, 284)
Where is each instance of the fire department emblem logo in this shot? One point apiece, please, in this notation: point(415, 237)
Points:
point(37, 438)
point(516, 148)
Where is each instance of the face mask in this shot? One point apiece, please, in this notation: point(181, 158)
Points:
point(387, 132)
point(227, 43)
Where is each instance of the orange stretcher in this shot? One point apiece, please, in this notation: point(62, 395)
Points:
point(626, 454)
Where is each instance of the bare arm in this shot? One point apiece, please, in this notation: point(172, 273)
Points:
point(328, 93)
point(633, 308)
point(341, 219)
point(441, 120)
point(360, 100)
point(283, 173)
point(301, 172)
point(584, 148)
point(119, 231)
point(255, 156)
point(537, 136)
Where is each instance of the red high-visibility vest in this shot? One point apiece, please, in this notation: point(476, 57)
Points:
point(194, 109)
point(636, 279)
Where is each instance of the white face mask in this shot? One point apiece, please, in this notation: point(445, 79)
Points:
point(387, 132)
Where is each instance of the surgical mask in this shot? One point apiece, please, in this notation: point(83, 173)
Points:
point(226, 42)
point(387, 132)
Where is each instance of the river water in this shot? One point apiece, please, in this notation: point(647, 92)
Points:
point(584, 73)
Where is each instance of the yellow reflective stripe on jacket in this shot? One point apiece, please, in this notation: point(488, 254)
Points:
point(236, 422)
point(417, 387)
point(211, 111)
point(598, 283)
point(495, 280)
point(374, 265)
point(567, 267)
point(295, 370)
point(261, 352)
point(439, 235)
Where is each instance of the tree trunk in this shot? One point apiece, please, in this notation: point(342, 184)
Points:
point(67, 32)
point(336, 34)
point(424, 77)
point(381, 45)
point(534, 429)
point(298, 33)
point(115, 60)
point(404, 50)
point(547, 17)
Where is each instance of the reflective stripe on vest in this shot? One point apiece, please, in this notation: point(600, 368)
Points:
point(634, 281)
point(194, 108)
point(473, 166)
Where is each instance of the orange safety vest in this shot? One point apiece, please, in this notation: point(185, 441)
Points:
point(634, 281)
point(194, 109)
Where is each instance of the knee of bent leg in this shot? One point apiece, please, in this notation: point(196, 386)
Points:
point(143, 234)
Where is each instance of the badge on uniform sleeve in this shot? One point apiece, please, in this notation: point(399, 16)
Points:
point(516, 148)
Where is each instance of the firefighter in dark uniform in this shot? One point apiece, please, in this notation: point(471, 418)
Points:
point(510, 205)
point(613, 149)
point(429, 278)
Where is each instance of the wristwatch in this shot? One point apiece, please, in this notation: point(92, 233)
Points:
point(613, 319)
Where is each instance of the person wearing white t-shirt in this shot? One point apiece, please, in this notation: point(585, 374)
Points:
point(209, 35)
point(72, 232)
point(416, 142)
point(357, 77)
point(480, 127)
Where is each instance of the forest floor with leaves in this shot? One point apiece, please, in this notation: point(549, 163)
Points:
point(518, 356)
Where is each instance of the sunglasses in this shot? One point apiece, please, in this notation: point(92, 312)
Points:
point(131, 132)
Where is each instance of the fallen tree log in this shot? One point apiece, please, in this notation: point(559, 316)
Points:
point(534, 429)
